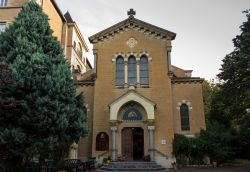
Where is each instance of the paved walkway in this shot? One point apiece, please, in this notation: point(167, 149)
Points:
point(218, 169)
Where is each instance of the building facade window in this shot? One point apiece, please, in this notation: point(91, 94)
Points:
point(102, 142)
point(79, 50)
point(3, 3)
point(83, 60)
point(2, 26)
point(74, 45)
point(119, 71)
point(184, 112)
point(131, 70)
point(78, 69)
point(144, 70)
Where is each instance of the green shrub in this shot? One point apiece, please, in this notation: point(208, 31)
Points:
point(216, 143)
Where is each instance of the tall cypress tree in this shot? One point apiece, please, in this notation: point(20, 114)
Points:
point(235, 74)
point(50, 115)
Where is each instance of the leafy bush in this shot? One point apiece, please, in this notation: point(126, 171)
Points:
point(216, 142)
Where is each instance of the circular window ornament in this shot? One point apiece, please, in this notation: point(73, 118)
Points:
point(132, 42)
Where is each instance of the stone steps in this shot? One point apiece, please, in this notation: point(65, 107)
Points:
point(133, 166)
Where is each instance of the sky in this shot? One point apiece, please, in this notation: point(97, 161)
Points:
point(204, 28)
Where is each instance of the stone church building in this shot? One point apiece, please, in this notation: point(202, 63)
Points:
point(136, 99)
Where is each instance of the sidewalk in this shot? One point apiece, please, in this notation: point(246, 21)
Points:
point(218, 169)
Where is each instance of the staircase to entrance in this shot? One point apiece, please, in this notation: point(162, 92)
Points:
point(133, 166)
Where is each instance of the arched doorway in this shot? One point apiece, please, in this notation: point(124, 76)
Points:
point(131, 110)
point(132, 143)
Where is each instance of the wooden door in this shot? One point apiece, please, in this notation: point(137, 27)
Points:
point(138, 144)
point(127, 144)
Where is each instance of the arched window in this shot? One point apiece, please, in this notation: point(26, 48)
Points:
point(78, 69)
point(102, 142)
point(74, 45)
point(131, 70)
point(119, 70)
point(144, 70)
point(79, 51)
point(184, 110)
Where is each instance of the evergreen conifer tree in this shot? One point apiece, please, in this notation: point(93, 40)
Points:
point(50, 116)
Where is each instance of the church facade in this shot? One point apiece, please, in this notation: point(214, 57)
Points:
point(136, 99)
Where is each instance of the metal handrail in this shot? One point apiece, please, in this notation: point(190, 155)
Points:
point(161, 153)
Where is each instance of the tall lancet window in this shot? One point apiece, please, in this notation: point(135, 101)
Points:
point(119, 71)
point(131, 70)
point(184, 110)
point(144, 70)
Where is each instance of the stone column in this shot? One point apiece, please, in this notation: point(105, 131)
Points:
point(151, 142)
point(113, 150)
point(126, 71)
point(169, 71)
point(138, 70)
point(95, 60)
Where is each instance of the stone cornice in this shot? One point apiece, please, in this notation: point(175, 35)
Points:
point(183, 80)
point(135, 24)
point(10, 7)
point(85, 83)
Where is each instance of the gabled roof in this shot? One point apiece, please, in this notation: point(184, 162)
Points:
point(58, 10)
point(132, 23)
point(68, 17)
point(71, 22)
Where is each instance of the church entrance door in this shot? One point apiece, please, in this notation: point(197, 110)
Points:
point(132, 143)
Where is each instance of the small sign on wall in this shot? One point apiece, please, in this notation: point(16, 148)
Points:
point(163, 141)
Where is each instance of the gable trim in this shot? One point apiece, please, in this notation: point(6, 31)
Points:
point(132, 23)
point(131, 95)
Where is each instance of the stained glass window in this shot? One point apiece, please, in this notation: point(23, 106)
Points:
point(3, 3)
point(119, 71)
point(102, 142)
point(144, 70)
point(131, 70)
point(184, 110)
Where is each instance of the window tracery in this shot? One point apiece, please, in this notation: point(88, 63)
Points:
point(132, 68)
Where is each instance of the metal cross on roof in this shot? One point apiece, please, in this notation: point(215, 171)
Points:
point(131, 13)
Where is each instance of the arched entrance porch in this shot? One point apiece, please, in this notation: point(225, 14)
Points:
point(132, 111)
